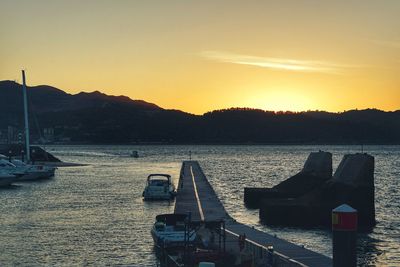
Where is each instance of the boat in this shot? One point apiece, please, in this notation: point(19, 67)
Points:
point(34, 172)
point(8, 168)
point(201, 243)
point(25, 172)
point(134, 154)
point(169, 231)
point(159, 187)
point(30, 171)
point(7, 179)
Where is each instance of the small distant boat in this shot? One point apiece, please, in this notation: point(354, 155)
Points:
point(134, 154)
point(159, 187)
point(169, 231)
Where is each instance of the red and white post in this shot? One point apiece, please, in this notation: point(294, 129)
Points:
point(344, 236)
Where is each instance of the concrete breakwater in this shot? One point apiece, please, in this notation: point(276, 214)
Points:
point(311, 205)
point(316, 171)
point(197, 196)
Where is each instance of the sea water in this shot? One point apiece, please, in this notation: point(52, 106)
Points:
point(95, 215)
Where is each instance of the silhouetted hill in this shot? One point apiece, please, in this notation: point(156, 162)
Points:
point(364, 126)
point(99, 118)
point(47, 99)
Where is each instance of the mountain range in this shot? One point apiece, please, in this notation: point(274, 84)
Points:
point(99, 118)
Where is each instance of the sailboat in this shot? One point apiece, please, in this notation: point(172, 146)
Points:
point(13, 170)
point(16, 167)
point(34, 172)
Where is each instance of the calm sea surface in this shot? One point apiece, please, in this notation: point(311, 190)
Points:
point(94, 215)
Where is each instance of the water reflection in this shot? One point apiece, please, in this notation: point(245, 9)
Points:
point(94, 215)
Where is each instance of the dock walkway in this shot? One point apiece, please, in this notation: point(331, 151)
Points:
point(196, 195)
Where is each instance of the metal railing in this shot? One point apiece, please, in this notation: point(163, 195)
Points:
point(265, 255)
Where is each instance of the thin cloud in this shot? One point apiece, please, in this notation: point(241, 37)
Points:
point(277, 63)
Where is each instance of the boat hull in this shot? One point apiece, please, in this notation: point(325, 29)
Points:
point(170, 239)
point(159, 194)
point(153, 197)
point(36, 175)
point(6, 180)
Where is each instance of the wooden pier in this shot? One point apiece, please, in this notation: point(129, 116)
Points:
point(197, 196)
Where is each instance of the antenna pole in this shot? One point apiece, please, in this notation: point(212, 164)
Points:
point(27, 146)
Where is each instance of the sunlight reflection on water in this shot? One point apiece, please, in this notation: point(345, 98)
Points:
point(94, 215)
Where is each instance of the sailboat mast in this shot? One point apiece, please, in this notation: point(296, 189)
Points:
point(27, 147)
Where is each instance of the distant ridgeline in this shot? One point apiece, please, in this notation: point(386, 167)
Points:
point(99, 118)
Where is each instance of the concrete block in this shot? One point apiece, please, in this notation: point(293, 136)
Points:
point(352, 184)
point(317, 170)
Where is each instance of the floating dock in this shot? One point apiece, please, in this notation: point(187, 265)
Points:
point(197, 196)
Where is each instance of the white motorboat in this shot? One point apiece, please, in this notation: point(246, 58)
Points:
point(159, 187)
point(169, 231)
point(26, 172)
point(34, 172)
point(9, 168)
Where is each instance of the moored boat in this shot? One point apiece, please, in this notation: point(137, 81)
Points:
point(134, 154)
point(26, 172)
point(169, 231)
point(159, 187)
point(34, 172)
point(201, 243)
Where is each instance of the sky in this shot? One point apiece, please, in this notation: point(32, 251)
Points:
point(199, 56)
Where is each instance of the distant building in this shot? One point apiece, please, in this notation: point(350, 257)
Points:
point(12, 135)
point(48, 134)
point(3, 137)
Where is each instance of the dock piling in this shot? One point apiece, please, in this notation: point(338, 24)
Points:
point(344, 236)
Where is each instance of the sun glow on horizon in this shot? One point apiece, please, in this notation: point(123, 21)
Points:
point(280, 100)
point(199, 56)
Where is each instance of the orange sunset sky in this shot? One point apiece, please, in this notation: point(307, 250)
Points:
point(198, 56)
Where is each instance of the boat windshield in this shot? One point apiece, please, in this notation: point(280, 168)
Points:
point(17, 162)
point(180, 226)
point(158, 182)
point(160, 226)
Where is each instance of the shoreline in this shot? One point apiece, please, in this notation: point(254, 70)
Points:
point(220, 144)
point(60, 164)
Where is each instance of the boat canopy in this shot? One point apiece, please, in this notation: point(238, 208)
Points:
point(158, 175)
point(171, 219)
